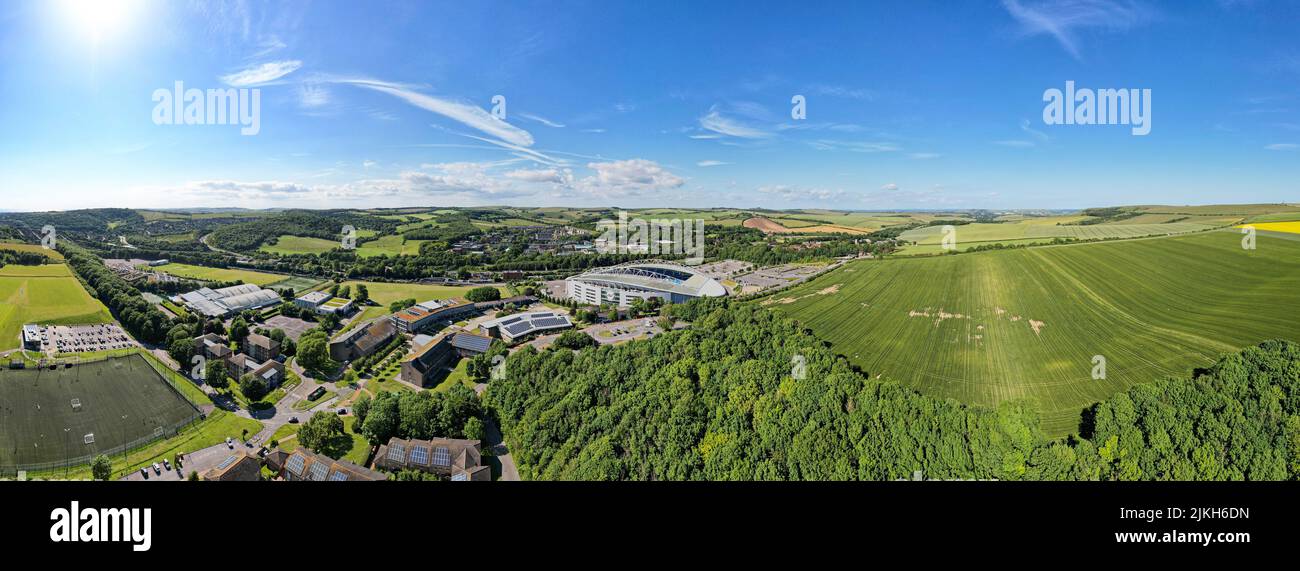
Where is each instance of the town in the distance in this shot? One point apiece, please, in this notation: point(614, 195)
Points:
point(500, 343)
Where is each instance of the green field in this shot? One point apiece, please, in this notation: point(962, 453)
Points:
point(219, 274)
point(20, 247)
point(286, 245)
point(392, 245)
point(385, 293)
point(47, 294)
point(1025, 324)
point(122, 399)
point(299, 284)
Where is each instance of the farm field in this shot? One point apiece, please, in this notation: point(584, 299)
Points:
point(1045, 229)
point(122, 399)
point(391, 245)
point(1287, 227)
point(1025, 324)
point(21, 247)
point(288, 245)
point(43, 294)
point(219, 274)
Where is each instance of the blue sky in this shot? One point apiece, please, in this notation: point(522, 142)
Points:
point(909, 104)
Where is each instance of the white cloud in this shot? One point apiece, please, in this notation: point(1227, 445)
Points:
point(1282, 147)
point(313, 96)
point(854, 146)
point(923, 156)
point(261, 74)
point(708, 163)
point(633, 176)
point(555, 176)
point(717, 123)
point(1062, 19)
point(889, 186)
point(542, 120)
point(463, 113)
point(788, 192)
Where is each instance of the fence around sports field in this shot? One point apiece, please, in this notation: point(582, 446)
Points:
point(125, 449)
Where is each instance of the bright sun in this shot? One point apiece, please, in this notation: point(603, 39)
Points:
point(99, 20)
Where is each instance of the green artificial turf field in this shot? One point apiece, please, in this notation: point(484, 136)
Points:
point(122, 399)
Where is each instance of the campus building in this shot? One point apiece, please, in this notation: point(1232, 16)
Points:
point(622, 284)
point(261, 347)
point(240, 466)
point(323, 303)
point(459, 460)
point(423, 365)
point(520, 325)
point(305, 465)
point(424, 315)
point(362, 341)
point(227, 300)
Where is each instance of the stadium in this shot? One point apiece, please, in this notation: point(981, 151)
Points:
point(622, 284)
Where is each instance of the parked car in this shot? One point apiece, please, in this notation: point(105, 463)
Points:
point(230, 443)
point(343, 411)
point(293, 420)
point(157, 469)
point(167, 465)
point(144, 472)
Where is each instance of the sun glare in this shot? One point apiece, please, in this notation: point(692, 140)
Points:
point(99, 20)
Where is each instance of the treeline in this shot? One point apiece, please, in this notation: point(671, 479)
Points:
point(22, 258)
point(721, 401)
point(328, 225)
point(455, 413)
point(138, 316)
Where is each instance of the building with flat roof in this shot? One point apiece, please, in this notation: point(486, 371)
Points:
point(520, 325)
point(32, 337)
point(227, 300)
point(622, 284)
point(458, 460)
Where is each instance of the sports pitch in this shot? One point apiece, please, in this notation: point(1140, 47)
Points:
point(122, 399)
point(1027, 324)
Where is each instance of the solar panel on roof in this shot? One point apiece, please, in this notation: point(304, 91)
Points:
point(295, 465)
point(397, 453)
point(441, 456)
point(226, 462)
point(318, 471)
point(420, 456)
point(459, 477)
point(338, 476)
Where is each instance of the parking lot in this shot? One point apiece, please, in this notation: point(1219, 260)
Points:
point(83, 338)
point(723, 269)
point(198, 461)
point(776, 276)
point(292, 326)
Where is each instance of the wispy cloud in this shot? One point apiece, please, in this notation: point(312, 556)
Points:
point(1282, 147)
point(854, 146)
point(463, 113)
point(1064, 19)
point(261, 74)
point(542, 120)
point(710, 163)
point(715, 122)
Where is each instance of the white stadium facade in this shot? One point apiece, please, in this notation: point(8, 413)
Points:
point(620, 285)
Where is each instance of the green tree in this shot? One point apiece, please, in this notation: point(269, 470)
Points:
point(215, 374)
point(363, 295)
point(313, 352)
point(101, 468)
point(320, 429)
point(474, 429)
point(481, 294)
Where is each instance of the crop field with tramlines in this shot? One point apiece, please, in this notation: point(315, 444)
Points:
point(1027, 324)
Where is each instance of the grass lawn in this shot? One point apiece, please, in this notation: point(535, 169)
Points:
point(305, 404)
point(47, 294)
point(219, 274)
point(351, 447)
point(287, 244)
point(988, 327)
point(208, 432)
point(459, 375)
point(385, 293)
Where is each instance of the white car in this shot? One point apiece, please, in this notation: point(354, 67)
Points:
point(230, 443)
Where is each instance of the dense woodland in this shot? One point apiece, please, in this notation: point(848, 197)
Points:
point(718, 402)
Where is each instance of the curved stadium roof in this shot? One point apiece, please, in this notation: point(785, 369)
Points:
point(655, 276)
